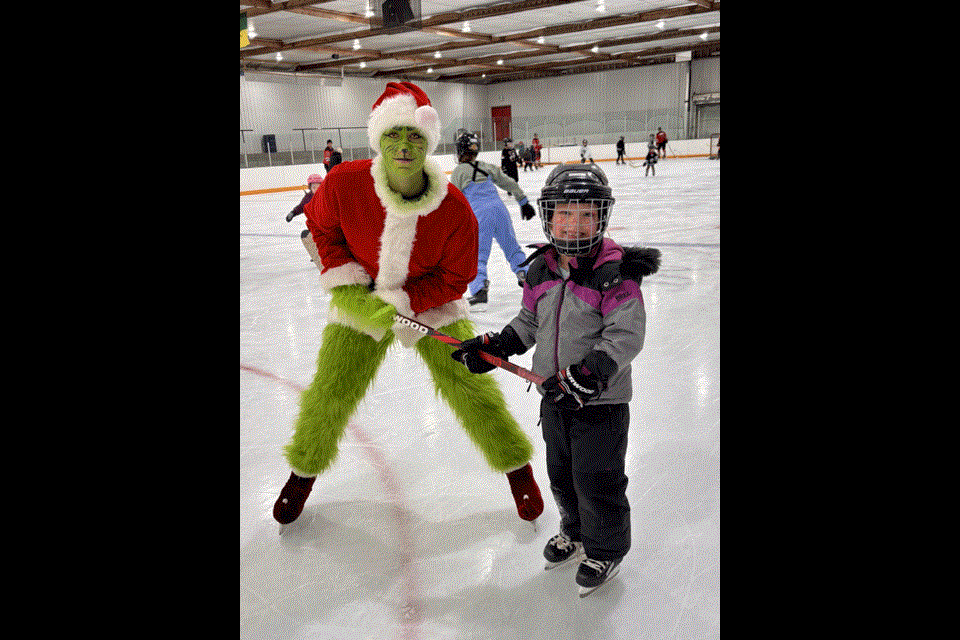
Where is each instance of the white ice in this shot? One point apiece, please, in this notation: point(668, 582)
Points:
point(410, 534)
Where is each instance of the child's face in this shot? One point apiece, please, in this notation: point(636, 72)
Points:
point(314, 186)
point(575, 220)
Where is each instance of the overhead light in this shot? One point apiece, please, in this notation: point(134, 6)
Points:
point(500, 61)
point(466, 27)
point(661, 25)
point(279, 56)
point(251, 30)
point(600, 6)
point(703, 36)
point(437, 54)
point(363, 65)
point(430, 70)
point(540, 40)
point(595, 48)
point(356, 44)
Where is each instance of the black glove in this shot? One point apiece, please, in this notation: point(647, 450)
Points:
point(527, 212)
point(503, 345)
point(573, 387)
point(469, 355)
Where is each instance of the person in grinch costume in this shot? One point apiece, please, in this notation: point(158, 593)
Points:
point(395, 236)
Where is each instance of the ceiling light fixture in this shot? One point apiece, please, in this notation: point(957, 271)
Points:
point(437, 54)
point(500, 61)
point(279, 56)
point(466, 27)
point(661, 25)
point(595, 49)
point(703, 36)
point(540, 40)
point(430, 70)
point(356, 44)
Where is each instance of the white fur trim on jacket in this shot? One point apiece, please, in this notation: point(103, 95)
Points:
point(396, 247)
point(347, 273)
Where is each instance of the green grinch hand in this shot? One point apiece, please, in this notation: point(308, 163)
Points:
point(366, 308)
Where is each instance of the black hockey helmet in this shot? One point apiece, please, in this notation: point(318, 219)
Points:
point(467, 143)
point(579, 192)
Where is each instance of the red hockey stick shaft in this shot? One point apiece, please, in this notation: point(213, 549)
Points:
point(526, 374)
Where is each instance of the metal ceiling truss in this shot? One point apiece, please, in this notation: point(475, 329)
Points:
point(486, 68)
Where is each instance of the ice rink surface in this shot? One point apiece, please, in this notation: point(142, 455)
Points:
point(410, 534)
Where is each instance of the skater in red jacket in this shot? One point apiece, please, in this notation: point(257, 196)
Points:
point(395, 236)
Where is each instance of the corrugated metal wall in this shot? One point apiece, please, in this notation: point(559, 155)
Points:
point(562, 110)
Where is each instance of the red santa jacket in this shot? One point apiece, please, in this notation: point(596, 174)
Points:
point(421, 255)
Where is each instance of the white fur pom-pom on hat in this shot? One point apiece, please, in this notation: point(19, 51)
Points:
point(403, 104)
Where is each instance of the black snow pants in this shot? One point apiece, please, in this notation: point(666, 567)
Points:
point(586, 452)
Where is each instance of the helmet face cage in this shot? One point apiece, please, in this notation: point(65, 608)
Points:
point(575, 207)
point(575, 227)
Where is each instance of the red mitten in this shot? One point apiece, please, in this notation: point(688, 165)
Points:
point(526, 492)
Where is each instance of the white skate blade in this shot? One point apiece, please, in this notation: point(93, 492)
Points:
point(585, 591)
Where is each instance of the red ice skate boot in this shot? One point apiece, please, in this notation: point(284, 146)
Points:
point(288, 506)
point(525, 492)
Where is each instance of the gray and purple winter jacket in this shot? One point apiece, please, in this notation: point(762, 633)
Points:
point(596, 308)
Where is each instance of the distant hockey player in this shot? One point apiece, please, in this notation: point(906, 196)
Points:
point(621, 149)
point(535, 143)
point(313, 183)
point(509, 159)
point(583, 309)
point(585, 154)
point(476, 179)
point(649, 161)
point(395, 236)
point(661, 143)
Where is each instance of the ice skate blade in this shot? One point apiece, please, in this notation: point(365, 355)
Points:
point(585, 591)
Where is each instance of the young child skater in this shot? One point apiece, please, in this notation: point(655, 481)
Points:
point(649, 161)
point(583, 309)
point(313, 183)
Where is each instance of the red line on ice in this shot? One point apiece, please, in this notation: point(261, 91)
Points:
point(410, 620)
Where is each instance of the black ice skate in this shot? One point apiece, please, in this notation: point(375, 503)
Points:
point(560, 550)
point(481, 296)
point(594, 573)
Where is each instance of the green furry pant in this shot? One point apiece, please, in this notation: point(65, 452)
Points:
point(348, 362)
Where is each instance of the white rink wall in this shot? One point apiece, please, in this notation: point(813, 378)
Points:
point(295, 176)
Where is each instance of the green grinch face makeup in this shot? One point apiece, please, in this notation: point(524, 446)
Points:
point(404, 150)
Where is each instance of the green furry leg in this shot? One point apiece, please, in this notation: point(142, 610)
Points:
point(346, 365)
point(477, 401)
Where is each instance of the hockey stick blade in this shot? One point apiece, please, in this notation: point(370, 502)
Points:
point(526, 374)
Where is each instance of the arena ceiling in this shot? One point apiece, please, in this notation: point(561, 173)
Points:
point(473, 41)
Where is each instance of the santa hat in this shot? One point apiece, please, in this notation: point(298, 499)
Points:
point(403, 104)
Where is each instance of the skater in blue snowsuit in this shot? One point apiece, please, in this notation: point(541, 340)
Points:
point(478, 181)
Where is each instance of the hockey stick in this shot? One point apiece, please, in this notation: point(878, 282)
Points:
point(526, 374)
